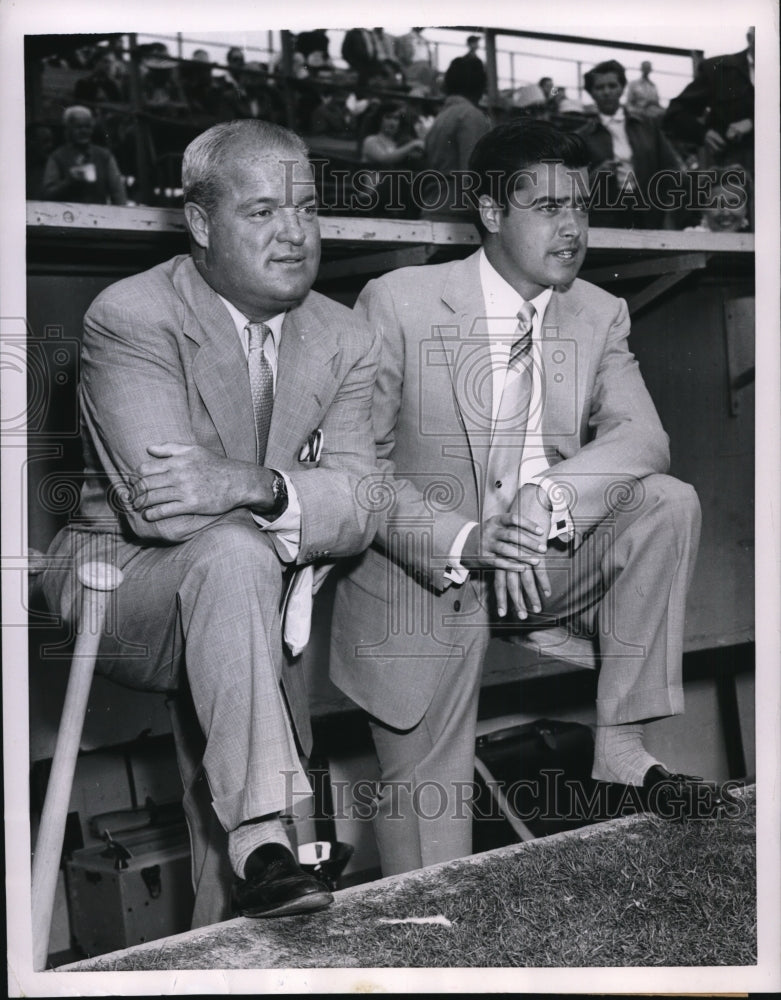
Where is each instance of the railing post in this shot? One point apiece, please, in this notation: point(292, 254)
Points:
point(143, 193)
point(286, 44)
point(490, 65)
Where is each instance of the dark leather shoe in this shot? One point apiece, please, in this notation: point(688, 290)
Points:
point(684, 796)
point(275, 886)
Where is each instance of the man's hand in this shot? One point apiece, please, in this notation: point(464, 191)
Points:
point(523, 587)
point(714, 140)
point(189, 479)
point(514, 545)
point(736, 130)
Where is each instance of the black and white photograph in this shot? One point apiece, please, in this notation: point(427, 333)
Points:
point(390, 448)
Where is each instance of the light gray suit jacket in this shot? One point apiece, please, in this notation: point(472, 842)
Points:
point(432, 416)
point(161, 361)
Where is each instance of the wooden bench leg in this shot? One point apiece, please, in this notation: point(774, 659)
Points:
point(98, 579)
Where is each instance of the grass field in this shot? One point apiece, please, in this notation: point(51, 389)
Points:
point(639, 891)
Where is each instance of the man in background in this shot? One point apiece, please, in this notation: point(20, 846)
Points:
point(716, 110)
point(626, 153)
point(79, 170)
point(642, 96)
point(451, 139)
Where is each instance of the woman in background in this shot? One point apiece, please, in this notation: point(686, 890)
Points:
point(383, 149)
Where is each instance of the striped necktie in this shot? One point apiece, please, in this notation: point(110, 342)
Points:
point(261, 383)
point(509, 431)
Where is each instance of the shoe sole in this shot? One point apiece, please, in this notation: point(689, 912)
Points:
point(305, 904)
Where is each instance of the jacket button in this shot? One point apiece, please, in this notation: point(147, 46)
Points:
point(456, 605)
point(498, 484)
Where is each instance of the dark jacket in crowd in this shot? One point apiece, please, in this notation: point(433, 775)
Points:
point(651, 153)
point(721, 93)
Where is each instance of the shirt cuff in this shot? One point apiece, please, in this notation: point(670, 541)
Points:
point(285, 531)
point(454, 571)
point(561, 525)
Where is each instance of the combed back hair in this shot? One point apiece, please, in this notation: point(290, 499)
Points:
point(205, 157)
point(517, 145)
point(609, 66)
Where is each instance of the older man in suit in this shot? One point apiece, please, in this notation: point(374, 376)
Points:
point(524, 479)
point(226, 427)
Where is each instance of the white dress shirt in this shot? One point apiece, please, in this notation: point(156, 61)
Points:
point(502, 304)
point(622, 150)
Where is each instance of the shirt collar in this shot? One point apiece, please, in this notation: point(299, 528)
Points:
point(240, 322)
point(501, 299)
point(618, 117)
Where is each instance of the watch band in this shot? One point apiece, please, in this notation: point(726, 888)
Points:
point(279, 489)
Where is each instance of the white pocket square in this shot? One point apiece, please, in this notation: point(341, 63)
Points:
point(313, 448)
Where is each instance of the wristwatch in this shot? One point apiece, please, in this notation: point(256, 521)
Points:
point(279, 489)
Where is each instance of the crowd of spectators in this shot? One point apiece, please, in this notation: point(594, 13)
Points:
point(392, 110)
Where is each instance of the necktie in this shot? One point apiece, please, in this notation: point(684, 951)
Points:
point(261, 383)
point(509, 431)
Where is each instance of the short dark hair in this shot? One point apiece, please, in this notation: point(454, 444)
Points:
point(608, 66)
point(514, 146)
point(466, 77)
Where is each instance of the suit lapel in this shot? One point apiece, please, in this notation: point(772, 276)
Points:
point(219, 367)
point(468, 355)
point(305, 380)
point(565, 348)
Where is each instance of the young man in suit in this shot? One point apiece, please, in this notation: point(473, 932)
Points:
point(226, 416)
point(523, 465)
point(628, 154)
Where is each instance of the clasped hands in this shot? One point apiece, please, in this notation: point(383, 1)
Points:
point(514, 545)
point(180, 479)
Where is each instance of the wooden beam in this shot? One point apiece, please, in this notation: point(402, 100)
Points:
point(146, 219)
point(119, 218)
point(654, 290)
point(398, 231)
point(668, 240)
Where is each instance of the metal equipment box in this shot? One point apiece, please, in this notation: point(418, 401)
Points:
point(135, 890)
